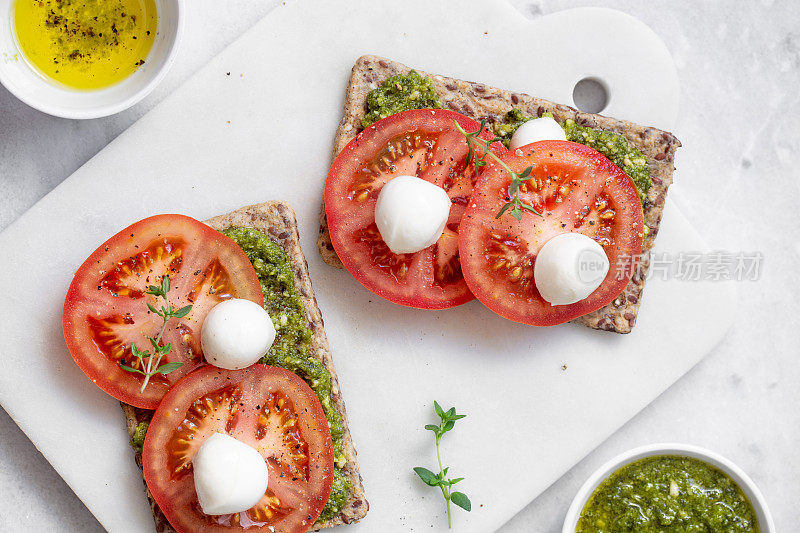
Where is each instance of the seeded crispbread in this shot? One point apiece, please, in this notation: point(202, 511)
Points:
point(277, 220)
point(481, 101)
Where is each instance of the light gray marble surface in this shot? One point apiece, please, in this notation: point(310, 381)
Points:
point(737, 181)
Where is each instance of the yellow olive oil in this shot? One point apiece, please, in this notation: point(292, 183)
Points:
point(85, 44)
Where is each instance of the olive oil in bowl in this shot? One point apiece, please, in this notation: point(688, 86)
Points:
point(85, 44)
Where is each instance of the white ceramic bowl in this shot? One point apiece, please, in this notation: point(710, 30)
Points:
point(749, 488)
point(24, 82)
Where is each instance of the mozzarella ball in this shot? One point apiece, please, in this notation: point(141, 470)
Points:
point(569, 268)
point(229, 475)
point(411, 214)
point(538, 129)
point(236, 333)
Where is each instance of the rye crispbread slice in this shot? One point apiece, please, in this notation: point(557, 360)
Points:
point(277, 220)
point(480, 101)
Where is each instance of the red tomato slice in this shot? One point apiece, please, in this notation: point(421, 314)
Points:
point(423, 143)
point(106, 306)
point(577, 190)
point(268, 408)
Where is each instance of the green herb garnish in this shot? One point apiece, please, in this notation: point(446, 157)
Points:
point(515, 204)
point(166, 312)
point(448, 420)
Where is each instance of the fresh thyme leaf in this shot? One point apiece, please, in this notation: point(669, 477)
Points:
point(154, 290)
point(503, 209)
point(515, 204)
point(447, 422)
point(427, 476)
point(460, 499)
point(153, 365)
point(529, 208)
point(166, 368)
point(182, 312)
point(138, 353)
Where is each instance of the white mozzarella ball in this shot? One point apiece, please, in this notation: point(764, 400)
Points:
point(538, 129)
point(229, 475)
point(236, 333)
point(411, 214)
point(569, 268)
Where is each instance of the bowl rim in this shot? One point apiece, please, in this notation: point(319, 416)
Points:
point(765, 522)
point(117, 107)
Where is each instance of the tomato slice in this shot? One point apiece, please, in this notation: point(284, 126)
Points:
point(423, 143)
point(106, 306)
point(577, 190)
point(266, 407)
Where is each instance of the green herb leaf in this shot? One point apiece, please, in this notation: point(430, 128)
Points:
point(182, 312)
point(427, 476)
point(150, 363)
point(448, 420)
point(503, 209)
point(166, 368)
point(138, 353)
point(460, 499)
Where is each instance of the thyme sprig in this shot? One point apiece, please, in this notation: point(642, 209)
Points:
point(448, 419)
point(515, 204)
point(151, 362)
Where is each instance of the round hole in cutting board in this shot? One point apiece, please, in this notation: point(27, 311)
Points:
point(590, 95)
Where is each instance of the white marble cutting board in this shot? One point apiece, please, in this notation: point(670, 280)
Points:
point(264, 131)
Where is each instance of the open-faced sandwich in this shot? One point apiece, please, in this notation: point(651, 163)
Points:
point(443, 190)
point(210, 336)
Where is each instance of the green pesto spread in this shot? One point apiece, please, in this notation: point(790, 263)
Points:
point(400, 93)
point(615, 147)
point(137, 441)
point(668, 494)
point(292, 347)
point(514, 119)
point(612, 145)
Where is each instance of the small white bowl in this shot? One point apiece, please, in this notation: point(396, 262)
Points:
point(27, 84)
point(749, 488)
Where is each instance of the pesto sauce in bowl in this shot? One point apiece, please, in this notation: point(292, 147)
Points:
point(292, 347)
point(668, 494)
